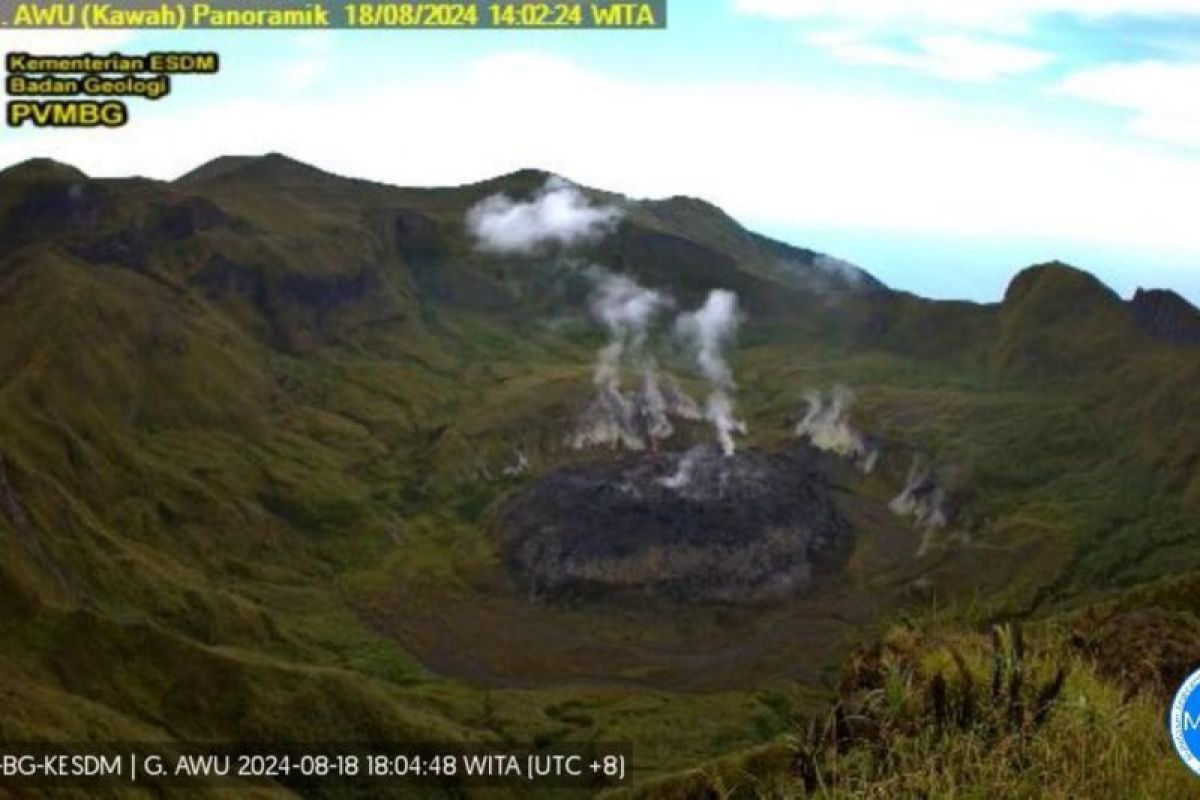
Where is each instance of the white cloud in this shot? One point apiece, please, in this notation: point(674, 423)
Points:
point(994, 15)
point(949, 56)
point(559, 214)
point(1162, 96)
point(311, 60)
point(769, 153)
point(299, 74)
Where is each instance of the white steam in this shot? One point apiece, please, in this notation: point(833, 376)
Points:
point(641, 417)
point(626, 309)
point(708, 331)
point(827, 426)
point(922, 498)
point(825, 274)
point(678, 403)
point(853, 276)
point(558, 214)
point(518, 467)
point(682, 477)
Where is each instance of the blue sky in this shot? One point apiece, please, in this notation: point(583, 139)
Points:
point(941, 144)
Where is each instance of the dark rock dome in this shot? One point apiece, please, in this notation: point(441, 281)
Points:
point(696, 525)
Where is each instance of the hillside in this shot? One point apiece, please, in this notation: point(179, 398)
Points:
point(259, 427)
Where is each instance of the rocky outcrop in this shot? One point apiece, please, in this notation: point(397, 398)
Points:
point(127, 248)
point(1166, 316)
point(53, 208)
point(192, 215)
point(298, 308)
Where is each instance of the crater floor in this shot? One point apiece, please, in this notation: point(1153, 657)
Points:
point(584, 591)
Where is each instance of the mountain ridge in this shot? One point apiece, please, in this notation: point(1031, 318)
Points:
point(275, 166)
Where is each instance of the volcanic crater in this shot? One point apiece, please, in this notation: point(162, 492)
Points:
point(697, 525)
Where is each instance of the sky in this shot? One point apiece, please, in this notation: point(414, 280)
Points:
point(940, 144)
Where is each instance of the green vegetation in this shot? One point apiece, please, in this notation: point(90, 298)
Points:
point(252, 424)
point(952, 714)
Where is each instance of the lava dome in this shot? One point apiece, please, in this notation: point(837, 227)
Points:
point(697, 525)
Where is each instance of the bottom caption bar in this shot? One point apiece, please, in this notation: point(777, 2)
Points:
point(579, 766)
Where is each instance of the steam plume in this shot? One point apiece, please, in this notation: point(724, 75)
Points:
point(626, 309)
point(851, 275)
point(638, 418)
point(558, 214)
point(922, 498)
point(827, 426)
point(518, 467)
point(708, 331)
point(678, 403)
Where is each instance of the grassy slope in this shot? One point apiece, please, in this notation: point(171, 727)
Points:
point(205, 491)
point(936, 713)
